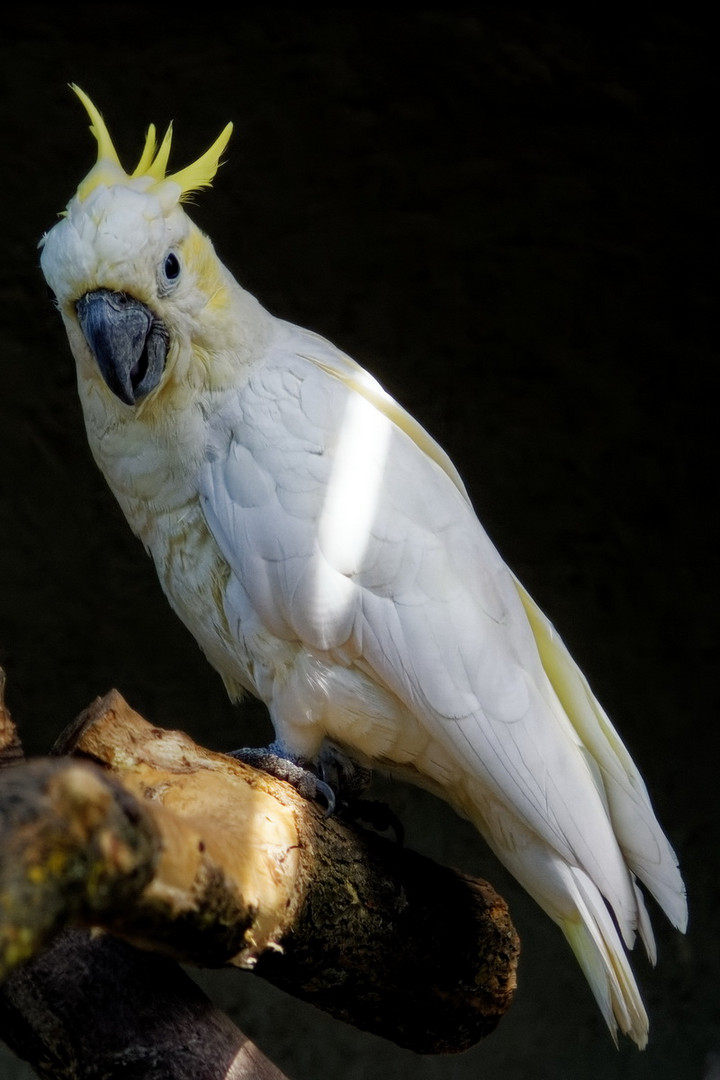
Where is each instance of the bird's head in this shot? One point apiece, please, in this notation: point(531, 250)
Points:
point(138, 284)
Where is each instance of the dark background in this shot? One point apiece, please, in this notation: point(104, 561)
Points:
point(507, 217)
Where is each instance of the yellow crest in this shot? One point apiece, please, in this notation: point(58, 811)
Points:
point(153, 160)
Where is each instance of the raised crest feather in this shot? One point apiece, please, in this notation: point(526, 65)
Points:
point(153, 161)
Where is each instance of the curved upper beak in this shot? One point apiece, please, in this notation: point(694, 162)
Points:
point(127, 340)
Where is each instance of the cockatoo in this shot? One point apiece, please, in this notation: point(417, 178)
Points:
point(323, 550)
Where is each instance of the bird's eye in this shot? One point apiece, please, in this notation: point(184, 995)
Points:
point(172, 266)
point(170, 272)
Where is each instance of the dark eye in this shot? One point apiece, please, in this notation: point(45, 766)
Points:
point(168, 273)
point(171, 267)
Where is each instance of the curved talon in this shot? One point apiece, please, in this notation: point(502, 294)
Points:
point(324, 791)
point(347, 778)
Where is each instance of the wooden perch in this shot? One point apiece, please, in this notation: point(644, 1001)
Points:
point(90, 1005)
point(209, 861)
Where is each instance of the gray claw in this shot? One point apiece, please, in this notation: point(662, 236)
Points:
point(273, 761)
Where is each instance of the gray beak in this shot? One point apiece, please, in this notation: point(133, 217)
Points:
point(128, 342)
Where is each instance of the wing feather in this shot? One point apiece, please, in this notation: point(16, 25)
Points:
point(403, 579)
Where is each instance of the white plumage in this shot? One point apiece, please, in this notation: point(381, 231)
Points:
point(323, 550)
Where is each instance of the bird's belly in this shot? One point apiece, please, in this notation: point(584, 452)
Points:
point(195, 576)
point(311, 695)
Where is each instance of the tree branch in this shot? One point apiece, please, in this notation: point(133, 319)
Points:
point(206, 860)
point(92, 1005)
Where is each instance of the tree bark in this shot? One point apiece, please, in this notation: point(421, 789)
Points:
point(206, 860)
point(93, 1006)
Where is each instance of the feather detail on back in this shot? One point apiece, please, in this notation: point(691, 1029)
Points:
point(361, 382)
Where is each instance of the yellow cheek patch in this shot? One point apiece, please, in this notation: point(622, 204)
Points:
point(201, 260)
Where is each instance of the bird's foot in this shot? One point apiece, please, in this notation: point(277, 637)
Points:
point(274, 760)
point(333, 779)
point(347, 777)
point(349, 780)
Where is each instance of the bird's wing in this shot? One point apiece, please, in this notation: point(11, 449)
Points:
point(647, 850)
point(351, 536)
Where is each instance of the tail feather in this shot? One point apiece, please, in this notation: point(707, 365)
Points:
point(599, 951)
point(646, 849)
point(645, 929)
point(571, 898)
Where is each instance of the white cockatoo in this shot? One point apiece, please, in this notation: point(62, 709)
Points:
point(323, 550)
